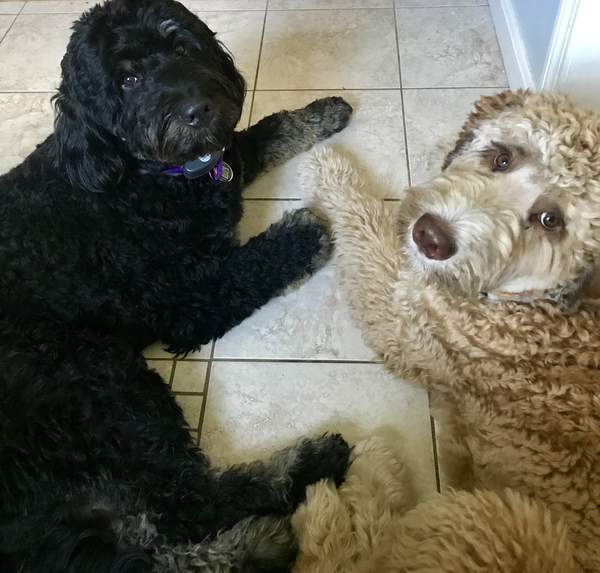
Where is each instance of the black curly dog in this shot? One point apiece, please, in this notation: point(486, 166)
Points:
point(112, 236)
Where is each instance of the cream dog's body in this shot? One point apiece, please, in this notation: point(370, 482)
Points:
point(367, 526)
point(519, 383)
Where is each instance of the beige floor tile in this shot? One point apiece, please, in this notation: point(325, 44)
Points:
point(449, 47)
point(195, 5)
point(256, 408)
point(163, 367)
point(241, 33)
point(25, 121)
point(442, 477)
point(433, 120)
point(327, 4)
point(58, 6)
point(9, 7)
point(374, 138)
point(329, 49)
point(31, 52)
point(191, 405)
point(245, 119)
point(189, 376)
point(5, 22)
point(310, 321)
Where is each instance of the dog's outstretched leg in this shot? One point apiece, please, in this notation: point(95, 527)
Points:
point(278, 485)
point(249, 277)
point(367, 246)
point(254, 545)
point(281, 136)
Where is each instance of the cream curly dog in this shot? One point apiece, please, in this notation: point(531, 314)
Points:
point(365, 526)
point(476, 287)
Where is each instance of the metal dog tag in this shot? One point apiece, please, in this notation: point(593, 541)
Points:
point(227, 173)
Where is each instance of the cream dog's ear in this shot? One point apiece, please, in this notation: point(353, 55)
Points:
point(485, 108)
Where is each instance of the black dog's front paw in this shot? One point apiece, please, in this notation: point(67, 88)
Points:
point(329, 115)
point(309, 240)
point(325, 457)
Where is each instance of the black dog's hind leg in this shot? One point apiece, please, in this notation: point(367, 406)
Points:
point(254, 545)
point(241, 282)
point(283, 135)
point(278, 485)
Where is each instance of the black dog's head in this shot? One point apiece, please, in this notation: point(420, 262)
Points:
point(142, 80)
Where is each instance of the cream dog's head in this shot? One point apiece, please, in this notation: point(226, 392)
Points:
point(515, 212)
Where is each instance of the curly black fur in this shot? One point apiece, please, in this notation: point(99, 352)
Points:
point(101, 254)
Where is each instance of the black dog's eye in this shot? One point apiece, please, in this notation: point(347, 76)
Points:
point(501, 161)
point(130, 81)
point(181, 50)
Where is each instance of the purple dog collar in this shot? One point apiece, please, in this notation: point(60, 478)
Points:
point(216, 172)
point(172, 171)
point(211, 163)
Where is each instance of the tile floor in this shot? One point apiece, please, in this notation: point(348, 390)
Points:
point(411, 69)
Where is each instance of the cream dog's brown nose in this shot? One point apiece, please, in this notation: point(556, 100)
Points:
point(434, 238)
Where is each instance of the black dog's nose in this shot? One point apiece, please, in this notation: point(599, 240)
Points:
point(197, 114)
point(433, 237)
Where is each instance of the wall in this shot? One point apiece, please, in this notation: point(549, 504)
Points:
point(579, 69)
point(536, 21)
point(552, 45)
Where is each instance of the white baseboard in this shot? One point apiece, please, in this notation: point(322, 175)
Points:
point(516, 61)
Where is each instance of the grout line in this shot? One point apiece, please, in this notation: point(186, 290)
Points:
point(12, 23)
point(465, 5)
point(408, 173)
point(186, 393)
point(327, 89)
point(75, 14)
point(296, 199)
point(227, 11)
point(436, 461)
point(205, 391)
point(8, 92)
point(172, 374)
point(367, 89)
point(290, 361)
point(262, 38)
point(360, 8)
point(415, 88)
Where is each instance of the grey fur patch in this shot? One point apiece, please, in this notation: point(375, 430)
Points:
point(138, 530)
point(264, 543)
point(300, 129)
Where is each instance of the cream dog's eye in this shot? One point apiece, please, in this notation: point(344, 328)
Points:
point(501, 161)
point(550, 220)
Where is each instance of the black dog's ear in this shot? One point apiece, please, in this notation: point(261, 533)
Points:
point(89, 151)
point(86, 152)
